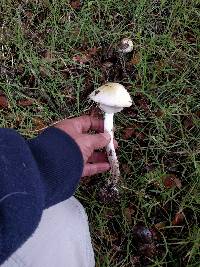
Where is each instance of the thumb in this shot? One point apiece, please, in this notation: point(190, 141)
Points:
point(100, 140)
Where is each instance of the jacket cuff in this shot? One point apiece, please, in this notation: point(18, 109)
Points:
point(60, 162)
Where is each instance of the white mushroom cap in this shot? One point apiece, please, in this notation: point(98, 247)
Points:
point(126, 46)
point(112, 97)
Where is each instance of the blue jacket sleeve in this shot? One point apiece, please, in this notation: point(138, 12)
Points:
point(34, 175)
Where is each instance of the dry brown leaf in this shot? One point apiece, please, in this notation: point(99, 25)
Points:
point(31, 80)
point(3, 101)
point(75, 4)
point(128, 133)
point(178, 183)
point(136, 59)
point(28, 14)
point(143, 104)
point(38, 124)
point(25, 102)
point(86, 56)
point(159, 113)
point(197, 113)
point(188, 123)
point(179, 218)
point(170, 181)
point(160, 225)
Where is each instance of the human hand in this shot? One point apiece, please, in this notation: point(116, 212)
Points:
point(94, 162)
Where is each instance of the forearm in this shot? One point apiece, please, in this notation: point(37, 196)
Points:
point(34, 175)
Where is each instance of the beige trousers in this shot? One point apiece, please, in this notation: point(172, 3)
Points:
point(62, 239)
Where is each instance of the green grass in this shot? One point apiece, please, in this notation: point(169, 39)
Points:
point(39, 40)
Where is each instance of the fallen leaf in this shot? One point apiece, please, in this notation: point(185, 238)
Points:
point(160, 225)
point(188, 123)
point(25, 102)
point(142, 103)
point(190, 37)
point(136, 59)
point(171, 181)
point(178, 183)
point(86, 56)
point(179, 218)
point(31, 80)
point(128, 133)
point(159, 113)
point(28, 14)
point(38, 124)
point(197, 113)
point(3, 101)
point(188, 91)
point(76, 4)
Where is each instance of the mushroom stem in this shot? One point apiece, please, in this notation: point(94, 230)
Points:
point(110, 149)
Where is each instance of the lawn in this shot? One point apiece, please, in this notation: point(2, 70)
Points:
point(54, 53)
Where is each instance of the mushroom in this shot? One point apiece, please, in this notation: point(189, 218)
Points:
point(112, 98)
point(125, 46)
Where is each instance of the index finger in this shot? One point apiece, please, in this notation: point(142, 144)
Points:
point(96, 141)
point(86, 123)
